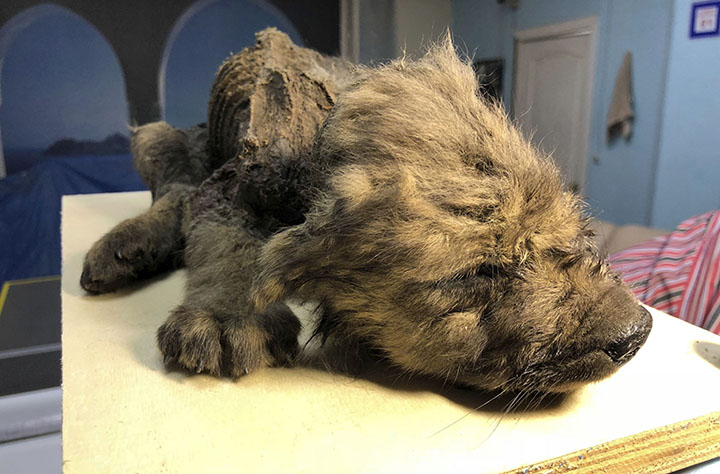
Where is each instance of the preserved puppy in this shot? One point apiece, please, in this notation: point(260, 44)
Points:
point(427, 228)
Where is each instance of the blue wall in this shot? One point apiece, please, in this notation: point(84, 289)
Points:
point(60, 78)
point(621, 180)
point(209, 36)
point(688, 179)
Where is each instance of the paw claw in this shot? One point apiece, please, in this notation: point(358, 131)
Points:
point(236, 372)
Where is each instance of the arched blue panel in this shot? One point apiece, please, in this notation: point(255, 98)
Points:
point(209, 32)
point(60, 79)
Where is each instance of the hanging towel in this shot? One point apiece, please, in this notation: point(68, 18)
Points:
point(621, 113)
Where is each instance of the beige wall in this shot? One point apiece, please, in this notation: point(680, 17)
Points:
point(419, 23)
point(385, 29)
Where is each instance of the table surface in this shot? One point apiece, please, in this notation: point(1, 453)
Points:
point(123, 412)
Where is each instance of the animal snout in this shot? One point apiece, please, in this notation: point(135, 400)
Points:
point(631, 338)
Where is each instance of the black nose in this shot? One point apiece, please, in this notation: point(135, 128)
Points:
point(632, 338)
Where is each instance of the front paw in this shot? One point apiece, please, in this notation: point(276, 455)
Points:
point(203, 342)
point(136, 248)
point(111, 264)
point(192, 338)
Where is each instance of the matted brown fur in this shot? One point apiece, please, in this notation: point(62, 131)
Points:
point(417, 215)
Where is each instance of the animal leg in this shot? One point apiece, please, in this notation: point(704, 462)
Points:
point(139, 247)
point(172, 163)
point(215, 329)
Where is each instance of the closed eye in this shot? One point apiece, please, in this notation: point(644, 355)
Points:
point(566, 258)
point(485, 270)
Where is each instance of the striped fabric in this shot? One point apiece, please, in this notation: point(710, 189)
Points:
point(678, 273)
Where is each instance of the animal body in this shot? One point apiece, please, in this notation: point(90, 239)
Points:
point(424, 224)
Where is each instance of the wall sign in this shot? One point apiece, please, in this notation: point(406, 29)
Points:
point(704, 19)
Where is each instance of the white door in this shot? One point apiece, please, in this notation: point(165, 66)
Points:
point(553, 92)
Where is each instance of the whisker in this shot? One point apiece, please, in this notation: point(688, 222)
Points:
point(482, 405)
point(457, 375)
point(468, 414)
point(507, 410)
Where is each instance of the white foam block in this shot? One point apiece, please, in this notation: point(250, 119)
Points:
point(123, 412)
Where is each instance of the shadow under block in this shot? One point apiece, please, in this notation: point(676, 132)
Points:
point(123, 412)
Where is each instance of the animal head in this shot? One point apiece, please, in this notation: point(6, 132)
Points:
point(448, 242)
